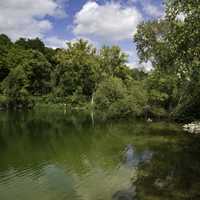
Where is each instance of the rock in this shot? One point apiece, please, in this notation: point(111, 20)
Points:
point(193, 127)
point(149, 120)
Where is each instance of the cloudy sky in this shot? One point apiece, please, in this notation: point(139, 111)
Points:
point(58, 21)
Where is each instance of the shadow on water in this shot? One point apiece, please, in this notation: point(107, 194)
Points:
point(173, 173)
point(51, 155)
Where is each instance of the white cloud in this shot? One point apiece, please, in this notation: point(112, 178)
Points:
point(144, 66)
point(110, 21)
point(134, 61)
point(55, 42)
point(153, 10)
point(25, 18)
point(150, 7)
point(89, 40)
point(147, 66)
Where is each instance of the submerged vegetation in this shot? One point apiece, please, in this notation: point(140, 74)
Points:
point(82, 77)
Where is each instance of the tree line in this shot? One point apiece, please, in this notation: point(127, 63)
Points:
point(82, 76)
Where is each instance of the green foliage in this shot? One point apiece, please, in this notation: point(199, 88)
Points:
point(172, 46)
point(35, 44)
point(138, 74)
point(3, 102)
point(115, 100)
point(38, 72)
point(162, 89)
point(14, 87)
point(38, 45)
point(111, 58)
point(5, 45)
point(16, 56)
point(69, 76)
point(76, 69)
point(36, 68)
point(23, 72)
point(5, 41)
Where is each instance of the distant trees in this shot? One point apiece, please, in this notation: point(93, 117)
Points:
point(24, 71)
point(79, 74)
point(71, 76)
point(35, 44)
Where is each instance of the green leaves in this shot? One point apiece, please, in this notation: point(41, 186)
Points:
point(14, 87)
point(111, 58)
point(114, 99)
point(76, 68)
point(172, 46)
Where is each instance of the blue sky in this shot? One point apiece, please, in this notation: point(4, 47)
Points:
point(101, 22)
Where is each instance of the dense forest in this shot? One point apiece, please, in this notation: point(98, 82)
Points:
point(84, 77)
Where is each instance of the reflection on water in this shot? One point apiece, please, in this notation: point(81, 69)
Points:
point(132, 158)
point(49, 156)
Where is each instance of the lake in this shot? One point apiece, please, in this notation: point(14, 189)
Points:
point(55, 156)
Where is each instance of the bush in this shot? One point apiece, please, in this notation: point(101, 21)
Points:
point(3, 102)
point(14, 87)
point(113, 99)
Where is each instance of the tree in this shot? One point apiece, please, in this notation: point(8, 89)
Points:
point(5, 41)
point(22, 43)
point(5, 45)
point(38, 72)
point(116, 100)
point(139, 74)
point(35, 44)
point(36, 66)
point(15, 88)
point(172, 45)
point(152, 45)
point(38, 45)
point(76, 69)
point(111, 58)
point(16, 56)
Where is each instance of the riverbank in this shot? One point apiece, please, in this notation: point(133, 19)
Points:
point(85, 108)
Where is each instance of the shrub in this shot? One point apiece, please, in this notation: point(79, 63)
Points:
point(113, 99)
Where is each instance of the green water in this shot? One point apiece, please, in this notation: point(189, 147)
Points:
point(53, 156)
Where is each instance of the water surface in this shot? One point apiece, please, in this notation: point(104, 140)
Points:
point(51, 155)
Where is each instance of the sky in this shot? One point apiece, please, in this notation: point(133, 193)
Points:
point(111, 22)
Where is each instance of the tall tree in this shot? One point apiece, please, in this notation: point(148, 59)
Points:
point(76, 69)
point(35, 44)
point(172, 45)
point(5, 45)
point(111, 58)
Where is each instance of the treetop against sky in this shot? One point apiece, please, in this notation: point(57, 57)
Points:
point(59, 21)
